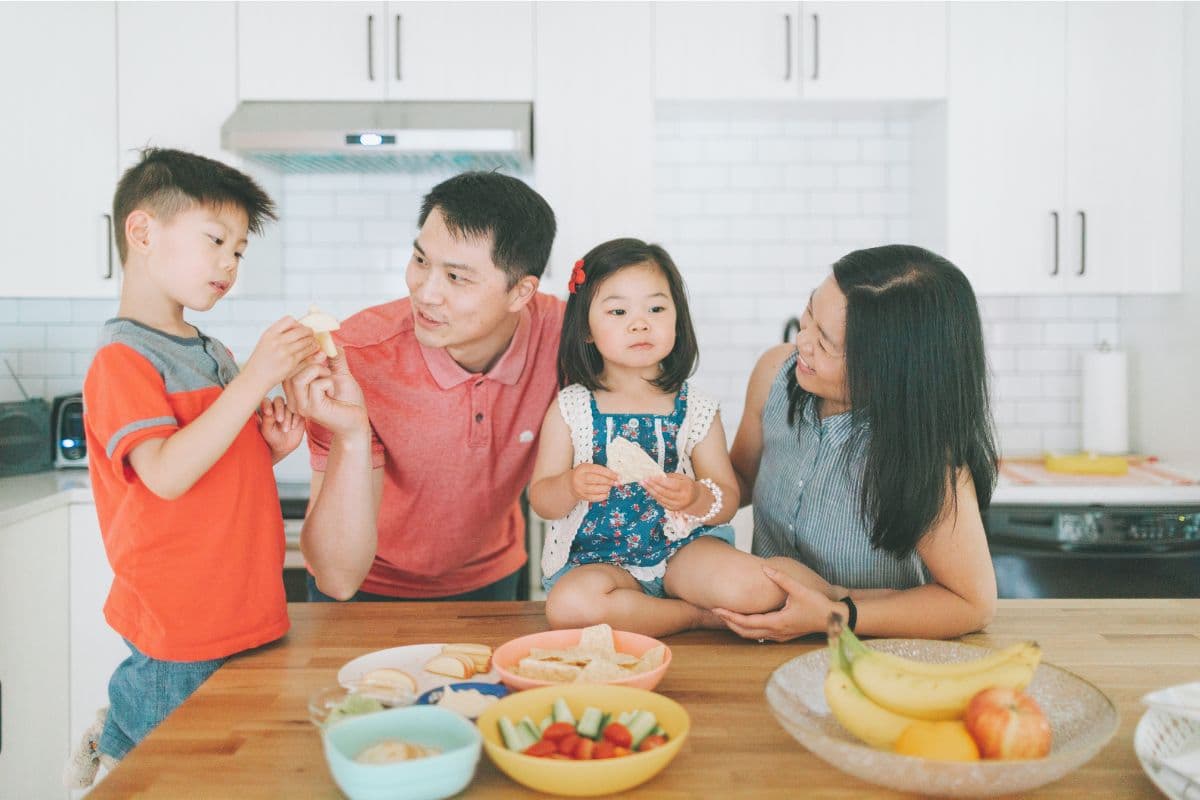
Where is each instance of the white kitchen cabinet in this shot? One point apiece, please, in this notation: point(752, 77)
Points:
point(377, 51)
point(819, 50)
point(58, 148)
point(460, 51)
point(1033, 158)
point(58, 651)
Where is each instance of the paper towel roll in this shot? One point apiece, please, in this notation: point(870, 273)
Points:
point(1105, 402)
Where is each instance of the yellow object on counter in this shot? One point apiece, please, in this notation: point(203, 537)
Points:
point(1087, 464)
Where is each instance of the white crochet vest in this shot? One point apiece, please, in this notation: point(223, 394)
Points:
point(575, 405)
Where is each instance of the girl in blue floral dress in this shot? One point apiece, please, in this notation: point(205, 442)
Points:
point(646, 548)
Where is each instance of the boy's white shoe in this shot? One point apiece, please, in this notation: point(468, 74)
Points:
point(80, 770)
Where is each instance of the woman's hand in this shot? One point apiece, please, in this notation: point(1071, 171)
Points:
point(805, 611)
point(281, 427)
point(674, 491)
point(592, 482)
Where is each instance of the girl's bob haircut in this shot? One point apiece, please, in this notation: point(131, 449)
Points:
point(578, 359)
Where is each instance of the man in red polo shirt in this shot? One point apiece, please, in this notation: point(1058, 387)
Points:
point(424, 429)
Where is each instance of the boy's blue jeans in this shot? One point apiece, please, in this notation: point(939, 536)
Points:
point(142, 692)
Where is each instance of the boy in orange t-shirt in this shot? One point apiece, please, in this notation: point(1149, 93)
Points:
point(180, 461)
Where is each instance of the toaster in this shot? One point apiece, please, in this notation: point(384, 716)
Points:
point(66, 418)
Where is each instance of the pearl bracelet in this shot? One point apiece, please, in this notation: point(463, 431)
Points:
point(713, 510)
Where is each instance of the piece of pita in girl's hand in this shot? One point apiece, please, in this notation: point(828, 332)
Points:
point(630, 462)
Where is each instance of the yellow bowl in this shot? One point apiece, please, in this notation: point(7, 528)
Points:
point(583, 778)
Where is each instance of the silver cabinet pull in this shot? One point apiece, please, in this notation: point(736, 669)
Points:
point(399, 74)
point(1056, 248)
point(816, 46)
point(1082, 242)
point(107, 272)
point(370, 47)
point(787, 47)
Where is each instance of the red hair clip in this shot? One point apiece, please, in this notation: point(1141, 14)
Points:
point(577, 277)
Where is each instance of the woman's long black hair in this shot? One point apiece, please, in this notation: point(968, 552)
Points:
point(917, 376)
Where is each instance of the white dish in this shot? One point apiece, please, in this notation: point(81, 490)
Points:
point(1160, 735)
point(1179, 701)
point(1081, 717)
point(410, 658)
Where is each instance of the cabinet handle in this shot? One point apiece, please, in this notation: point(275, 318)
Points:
point(1082, 242)
point(1056, 248)
point(787, 47)
point(107, 261)
point(399, 74)
point(370, 47)
point(816, 46)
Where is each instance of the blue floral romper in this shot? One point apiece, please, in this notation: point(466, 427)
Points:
point(627, 528)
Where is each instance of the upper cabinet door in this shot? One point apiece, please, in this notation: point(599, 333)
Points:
point(1124, 148)
point(873, 51)
point(726, 50)
point(184, 57)
point(460, 51)
point(1006, 133)
point(58, 148)
point(312, 51)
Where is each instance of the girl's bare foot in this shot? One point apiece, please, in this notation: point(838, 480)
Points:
point(707, 620)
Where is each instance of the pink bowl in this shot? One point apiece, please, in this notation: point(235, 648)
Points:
point(508, 655)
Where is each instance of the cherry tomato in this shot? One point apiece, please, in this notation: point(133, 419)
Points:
point(557, 731)
point(618, 734)
point(621, 751)
point(540, 749)
point(559, 756)
point(651, 742)
point(603, 750)
point(566, 745)
point(584, 750)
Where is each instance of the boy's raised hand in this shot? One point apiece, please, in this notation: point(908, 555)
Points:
point(281, 427)
point(282, 349)
point(674, 491)
point(592, 482)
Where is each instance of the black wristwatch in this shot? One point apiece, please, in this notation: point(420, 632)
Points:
point(853, 611)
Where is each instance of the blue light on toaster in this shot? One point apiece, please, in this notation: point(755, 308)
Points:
point(69, 442)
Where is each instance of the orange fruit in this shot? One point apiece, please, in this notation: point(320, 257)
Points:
point(944, 741)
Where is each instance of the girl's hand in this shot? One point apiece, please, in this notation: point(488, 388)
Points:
point(674, 491)
point(805, 611)
point(280, 426)
point(592, 482)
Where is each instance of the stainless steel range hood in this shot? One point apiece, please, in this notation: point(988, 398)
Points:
point(313, 137)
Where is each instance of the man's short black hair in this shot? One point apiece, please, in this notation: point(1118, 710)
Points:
point(520, 222)
point(167, 182)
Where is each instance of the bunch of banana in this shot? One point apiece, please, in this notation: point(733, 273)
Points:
point(876, 695)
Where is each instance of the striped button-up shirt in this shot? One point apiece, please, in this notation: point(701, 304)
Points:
point(807, 497)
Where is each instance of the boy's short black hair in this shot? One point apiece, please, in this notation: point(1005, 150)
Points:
point(519, 220)
point(170, 181)
point(579, 361)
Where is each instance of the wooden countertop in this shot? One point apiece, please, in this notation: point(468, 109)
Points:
point(245, 733)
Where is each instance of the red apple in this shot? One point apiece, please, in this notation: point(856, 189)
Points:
point(1007, 723)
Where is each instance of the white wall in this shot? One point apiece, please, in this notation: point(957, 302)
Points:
point(1163, 333)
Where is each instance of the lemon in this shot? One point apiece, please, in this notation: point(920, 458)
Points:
point(944, 741)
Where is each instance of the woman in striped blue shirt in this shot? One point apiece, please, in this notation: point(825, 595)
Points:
point(868, 450)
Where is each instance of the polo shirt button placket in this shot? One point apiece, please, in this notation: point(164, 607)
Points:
point(481, 428)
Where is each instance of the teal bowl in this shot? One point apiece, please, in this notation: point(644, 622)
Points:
point(431, 778)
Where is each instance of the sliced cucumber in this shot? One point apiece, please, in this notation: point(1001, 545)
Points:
point(515, 736)
point(546, 723)
point(625, 716)
point(531, 728)
point(658, 731)
point(641, 726)
point(562, 712)
point(589, 723)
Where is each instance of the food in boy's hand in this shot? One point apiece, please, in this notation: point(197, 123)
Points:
point(596, 735)
point(387, 683)
point(594, 660)
point(880, 697)
point(1007, 723)
point(630, 462)
point(321, 324)
point(389, 751)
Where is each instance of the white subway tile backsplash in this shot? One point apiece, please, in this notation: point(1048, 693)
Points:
point(1043, 307)
point(755, 176)
point(362, 205)
point(1097, 308)
point(21, 337)
point(44, 363)
point(308, 204)
point(1070, 333)
point(54, 310)
point(863, 176)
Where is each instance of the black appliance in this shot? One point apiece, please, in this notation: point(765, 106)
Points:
point(25, 437)
point(1094, 551)
point(70, 444)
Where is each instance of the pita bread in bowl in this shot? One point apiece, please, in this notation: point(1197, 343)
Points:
point(595, 655)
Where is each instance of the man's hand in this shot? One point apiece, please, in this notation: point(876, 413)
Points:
point(281, 427)
point(674, 491)
point(281, 350)
point(592, 482)
point(805, 611)
point(328, 395)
